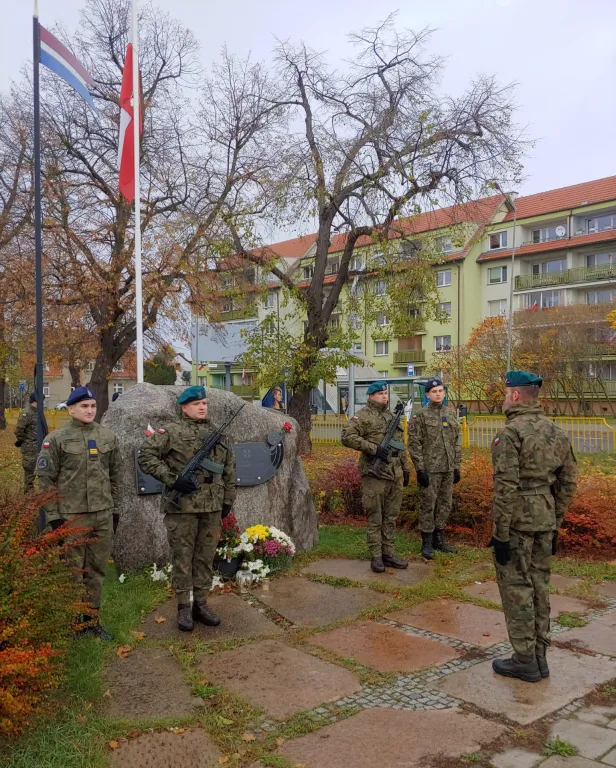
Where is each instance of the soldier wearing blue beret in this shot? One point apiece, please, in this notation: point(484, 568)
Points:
point(194, 529)
point(534, 482)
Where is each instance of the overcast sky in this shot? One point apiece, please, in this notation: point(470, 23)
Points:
point(562, 54)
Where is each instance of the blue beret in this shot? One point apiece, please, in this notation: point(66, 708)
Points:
point(433, 383)
point(79, 394)
point(33, 397)
point(522, 379)
point(196, 392)
point(376, 386)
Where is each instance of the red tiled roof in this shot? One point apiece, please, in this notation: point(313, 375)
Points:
point(554, 200)
point(555, 245)
point(288, 249)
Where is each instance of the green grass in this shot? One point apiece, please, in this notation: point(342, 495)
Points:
point(571, 620)
point(559, 747)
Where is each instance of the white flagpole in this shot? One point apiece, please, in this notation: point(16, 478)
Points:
point(136, 113)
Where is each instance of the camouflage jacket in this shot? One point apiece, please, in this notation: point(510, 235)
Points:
point(83, 463)
point(534, 473)
point(25, 431)
point(165, 454)
point(365, 431)
point(434, 439)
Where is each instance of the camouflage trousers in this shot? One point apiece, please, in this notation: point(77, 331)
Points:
point(435, 502)
point(382, 500)
point(523, 584)
point(193, 539)
point(89, 560)
point(28, 462)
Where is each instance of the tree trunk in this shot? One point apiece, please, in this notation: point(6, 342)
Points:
point(2, 371)
point(99, 383)
point(75, 372)
point(299, 408)
point(2, 396)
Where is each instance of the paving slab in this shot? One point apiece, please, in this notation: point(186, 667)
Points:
point(591, 740)
point(488, 590)
point(359, 570)
point(392, 738)
point(596, 715)
point(148, 683)
point(167, 750)
point(463, 621)
point(385, 648)
point(281, 679)
point(610, 758)
point(238, 619)
point(607, 588)
point(598, 635)
point(569, 762)
point(564, 582)
point(571, 677)
point(310, 604)
point(516, 758)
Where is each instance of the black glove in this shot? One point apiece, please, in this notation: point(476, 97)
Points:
point(382, 453)
point(116, 521)
point(456, 476)
point(502, 550)
point(407, 477)
point(185, 485)
point(18, 443)
point(423, 478)
point(555, 542)
point(226, 509)
point(55, 524)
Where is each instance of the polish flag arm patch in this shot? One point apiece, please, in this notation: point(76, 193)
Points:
point(149, 430)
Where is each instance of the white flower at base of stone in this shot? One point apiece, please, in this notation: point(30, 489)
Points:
point(216, 582)
point(162, 574)
point(121, 578)
point(258, 569)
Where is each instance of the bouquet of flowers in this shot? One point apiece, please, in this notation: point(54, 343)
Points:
point(268, 546)
point(229, 538)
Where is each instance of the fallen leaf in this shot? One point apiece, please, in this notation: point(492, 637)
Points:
point(82, 719)
point(160, 619)
point(224, 759)
point(248, 737)
point(89, 704)
point(107, 694)
point(204, 682)
point(223, 720)
point(138, 635)
point(280, 741)
point(133, 734)
point(113, 744)
point(486, 634)
point(177, 731)
point(124, 651)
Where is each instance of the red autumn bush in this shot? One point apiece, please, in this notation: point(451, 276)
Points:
point(38, 599)
point(338, 489)
point(590, 522)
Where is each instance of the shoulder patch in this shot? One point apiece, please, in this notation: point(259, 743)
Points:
point(355, 418)
point(46, 444)
point(496, 441)
point(42, 463)
point(161, 431)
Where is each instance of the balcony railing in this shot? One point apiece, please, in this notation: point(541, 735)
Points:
point(246, 313)
point(576, 275)
point(244, 390)
point(412, 356)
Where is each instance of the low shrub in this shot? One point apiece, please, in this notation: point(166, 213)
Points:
point(38, 598)
point(338, 489)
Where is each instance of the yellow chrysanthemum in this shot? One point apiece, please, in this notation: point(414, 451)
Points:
point(259, 531)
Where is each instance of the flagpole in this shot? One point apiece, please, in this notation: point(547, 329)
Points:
point(137, 150)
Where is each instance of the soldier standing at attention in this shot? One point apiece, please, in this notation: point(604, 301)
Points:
point(434, 445)
point(25, 440)
point(81, 461)
point(194, 528)
point(534, 482)
point(382, 492)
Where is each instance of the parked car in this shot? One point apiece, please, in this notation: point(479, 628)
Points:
point(61, 406)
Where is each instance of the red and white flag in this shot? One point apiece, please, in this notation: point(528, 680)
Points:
point(126, 150)
point(150, 430)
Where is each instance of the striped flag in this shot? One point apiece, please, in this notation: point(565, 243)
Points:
point(57, 57)
point(126, 147)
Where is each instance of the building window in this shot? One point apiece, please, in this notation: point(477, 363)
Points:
point(381, 348)
point(382, 320)
point(498, 240)
point(605, 296)
point(90, 367)
point(442, 343)
point(227, 306)
point(118, 388)
point(550, 267)
point(380, 289)
point(600, 259)
point(443, 278)
point(497, 307)
point(308, 272)
point(334, 322)
point(331, 267)
point(383, 374)
point(46, 366)
point(545, 234)
point(445, 308)
point(414, 312)
point(269, 300)
point(356, 265)
point(357, 346)
point(46, 390)
point(497, 275)
point(444, 244)
point(118, 367)
point(543, 299)
point(601, 223)
point(202, 380)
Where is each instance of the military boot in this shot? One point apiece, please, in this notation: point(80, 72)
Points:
point(527, 671)
point(377, 564)
point(542, 663)
point(391, 561)
point(426, 546)
point(439, 543)
point(203, 614)
point(92, 628)
point(185, 620)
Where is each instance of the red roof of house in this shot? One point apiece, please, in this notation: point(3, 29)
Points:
point(554, 245)
point(288, 249)
point(554, 200)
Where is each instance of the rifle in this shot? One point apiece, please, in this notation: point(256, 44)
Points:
point(388, 441)
point(201, 459)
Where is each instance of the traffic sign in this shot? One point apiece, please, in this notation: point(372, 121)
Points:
point(411, 370)
point(22, 386)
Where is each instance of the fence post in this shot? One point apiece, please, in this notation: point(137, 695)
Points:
point(466, 442)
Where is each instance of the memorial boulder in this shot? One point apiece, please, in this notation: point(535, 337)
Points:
point(284, 500)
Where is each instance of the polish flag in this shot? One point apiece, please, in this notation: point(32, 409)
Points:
point(150, 430)
point(126, 151)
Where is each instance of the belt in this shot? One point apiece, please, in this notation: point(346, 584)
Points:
point(540, 490)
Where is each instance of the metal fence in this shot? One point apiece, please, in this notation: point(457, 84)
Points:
point(55, 419)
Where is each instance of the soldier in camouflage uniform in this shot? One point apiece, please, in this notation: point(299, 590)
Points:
point(25, 440)
point(81, 461)
point(382, 493)
point(534, 482)
point(434, 445)
point(193, 529)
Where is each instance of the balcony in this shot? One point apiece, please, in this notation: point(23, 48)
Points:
point(562, 315)
point(245, 390)
point(245, 313)
point(412, 356)
point(567, 276)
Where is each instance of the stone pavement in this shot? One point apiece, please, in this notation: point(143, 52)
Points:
point(353, 670)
